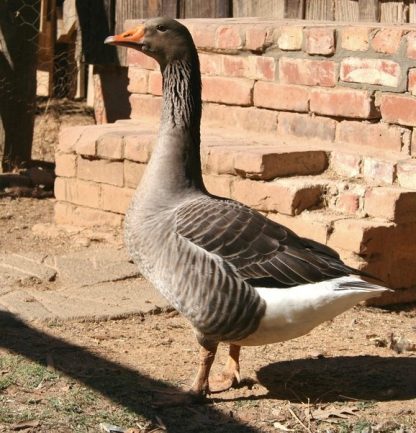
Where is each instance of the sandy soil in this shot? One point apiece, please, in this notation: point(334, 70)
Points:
point(346, 375)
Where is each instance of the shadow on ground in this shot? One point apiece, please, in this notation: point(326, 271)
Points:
point(342, 378)
point(119, 383)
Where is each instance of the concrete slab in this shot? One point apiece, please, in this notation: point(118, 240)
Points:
point(92, 266)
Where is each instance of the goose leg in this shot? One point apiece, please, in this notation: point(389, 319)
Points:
point(199, 387)
point(231, 373)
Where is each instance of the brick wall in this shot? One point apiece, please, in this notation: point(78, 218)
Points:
point(313, 125)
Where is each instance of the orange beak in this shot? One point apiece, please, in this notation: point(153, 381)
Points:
point(132, 38)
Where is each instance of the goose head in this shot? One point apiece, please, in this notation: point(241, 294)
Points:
point(164, 39)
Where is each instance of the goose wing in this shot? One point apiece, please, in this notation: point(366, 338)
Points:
point(258, 249)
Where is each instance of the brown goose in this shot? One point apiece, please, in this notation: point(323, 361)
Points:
point(235, 275)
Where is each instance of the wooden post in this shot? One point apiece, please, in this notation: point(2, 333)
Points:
point(369, 10)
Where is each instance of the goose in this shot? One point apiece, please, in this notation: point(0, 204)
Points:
point(238, 277)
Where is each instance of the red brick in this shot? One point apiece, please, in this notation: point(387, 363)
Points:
point(240, 118)
point(391, 203)
point(235, 91)
point(371, 71)
point(101, 170)
point(281, 96)
point(355, 38)
point(77, 191)
point(218, 160)
point(138, 79)
point(348, 202)
point(155, 83)
point(268, 163)
point(290, 38)
point(219, 185)
point(236, 66)
point(256, 38)
point(138, 147)
point(68, 137)
point(361, 236)
point(115, 199)
point(303, 125)
point(377, 135)
point(203, 36)
point(311, 225)
point(133, 172)
point(140, 60)
point(345, 164)
point(65, 164)
point(211, 64)
point(110, 146)
point(398, 109)
point(376, 170)
point(387, 41)
point(411, 45)
point(411, 86)
point(343, 102)
point(320, 40)
point(145, 106)
point(288, 196)
point(307, 72)
point(406, 173)
point(87, 142)
point(262, 68)
point(66, 213)
point(228, 37)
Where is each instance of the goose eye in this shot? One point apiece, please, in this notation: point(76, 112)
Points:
point(161, 28)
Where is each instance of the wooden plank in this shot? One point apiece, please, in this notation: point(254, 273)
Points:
point(294, 9)
point(320, 10)
point(170, 8)
point(204, 8)
point(253, 8)
point(346, 10)
point(369, 10)
point(394, 12)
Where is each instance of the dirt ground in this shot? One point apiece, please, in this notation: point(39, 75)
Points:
point(346, 375)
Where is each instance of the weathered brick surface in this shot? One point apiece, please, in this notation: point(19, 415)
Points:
point(320, 40)
point(355, 38)
point(240, 118)
point(138, 80)
point(133, 173)
point(219, 160)
point(68, 137)
point(348, 203)
point(145, 106)
point(110, 146)
point(236, 91)
point(211, 64)
point(302, 125)
point(219, 185)
point(376, 170)
point(285, 196)
point(308, 72)
point(229, 37)
point(262, 68)
point(345, 164)
point(411, 45)
point(115, 199)
point(204, 37)
point(256, 38)
point(343, 102)
point(101, 170)
point(411, 86)
point(361, 236)
point(392, 203)
point(290, 38)
point(155, 83)
point(281, 96)
point(382, 72)
point(65, 164)
point(387, 41)
point(267, 163)
point(138, 147)
point(406, 173)
point(378, 135)
point(140, 60)
point(66, 213)
point(77, 191)
point(398, 109)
